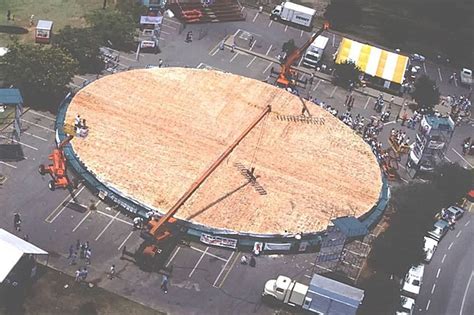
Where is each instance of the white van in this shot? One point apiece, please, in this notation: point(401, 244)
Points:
point(429, 248)
point(413, 279)
point(407, 306)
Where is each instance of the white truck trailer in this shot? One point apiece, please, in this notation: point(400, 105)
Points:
point(322, 296)
point(314, 54)
point(293, 13)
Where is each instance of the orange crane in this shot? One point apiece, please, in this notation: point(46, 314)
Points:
point(57, 169)
point(286, 73)
point(156, 231)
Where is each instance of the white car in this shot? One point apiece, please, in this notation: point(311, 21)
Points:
point(429, 248)
point(413, 279)
point(407, 306)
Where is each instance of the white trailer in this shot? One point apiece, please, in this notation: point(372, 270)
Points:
point(315, 51)
point(293, 13)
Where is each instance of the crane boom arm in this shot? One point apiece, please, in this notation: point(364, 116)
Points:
point(205, 175)
point(296, 54)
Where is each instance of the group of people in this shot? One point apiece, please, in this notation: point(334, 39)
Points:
point(81, 274)
point(85, 252)
point(460, 107)
point(400, 137)
point(80, 126)
point(468, 146)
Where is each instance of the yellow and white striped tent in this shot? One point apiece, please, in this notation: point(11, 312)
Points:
point(372, 60)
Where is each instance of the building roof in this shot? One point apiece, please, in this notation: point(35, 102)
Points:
point(350, 226)
point(10, 96)
point(334, 297)
point(12, 248)
point(372, 60)
point(44, 25)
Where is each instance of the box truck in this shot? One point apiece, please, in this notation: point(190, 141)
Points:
point(293, 13)
point(314, 54)
point(322, 296)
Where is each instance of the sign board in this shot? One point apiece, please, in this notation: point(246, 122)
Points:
point(147, 44)
point(218, 241)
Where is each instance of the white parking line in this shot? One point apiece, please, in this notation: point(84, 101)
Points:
point(5, 163)
point(333, 91)
point(462, 157)
point(455, 81)
point(41, 115)
point(51, 220)
point(433, 288)
point(268, 67)
point(82, 220)
point(299, 63)
point(367, 103)
point(428, 305)
point(286, 28)
point(169, 26)
point(212, 255)
point(32, 123)
point(172, 21)
point(24, 144)
point(447, 159)
point(467, 223)
point(317, 84)
point(111, 216)
point(465, 293)
point(459, 234)
point(269, 48)
point(437, 274)
point(163, 32)
point(270, 23)
point(35, 136)
point(442, 260)
point(107, 226)
point(424, 67)
point(333, 40)
point(301, 34)
point(223, 268)
point(235, 56)
point(125, 240)
point(439, 73)
point(255, 17)
point(198, 262)
point(450, 245)
point(253, 44)
point(308, 276)
point(251, 61)
point(173, 256)
point(403, 179)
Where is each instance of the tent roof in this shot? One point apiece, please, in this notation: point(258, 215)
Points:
point(12, 248)
point(44, 25)
point(372, 60)
point(350, 226)
point(10, 96)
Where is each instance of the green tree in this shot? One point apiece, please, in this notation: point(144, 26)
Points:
point(41, 72)
point(83, 44)
point(453, 182)
point(346, 72)
point(381, 295)
point(134, 9)
point(289, 46)
point(400, 246)
point(426, 93)
point(343, 14)
point(113, 28)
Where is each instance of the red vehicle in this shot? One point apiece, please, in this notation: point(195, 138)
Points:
point(58, 168)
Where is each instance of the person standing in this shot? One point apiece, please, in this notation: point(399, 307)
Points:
point(77, 277)
point(78, 244)
point(160, 63)
point(85, 272)
point(71, 251)
point(9, 14)
point(112, 272)
point(88, 255)
point(17, 222)
point(164, 284)
point(73, 259)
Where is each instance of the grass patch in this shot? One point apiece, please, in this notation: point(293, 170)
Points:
point(61, 12)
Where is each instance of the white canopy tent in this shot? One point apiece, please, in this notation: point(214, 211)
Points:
point(12, 248)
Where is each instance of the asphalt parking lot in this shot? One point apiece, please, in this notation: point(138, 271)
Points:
point(205, 280)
